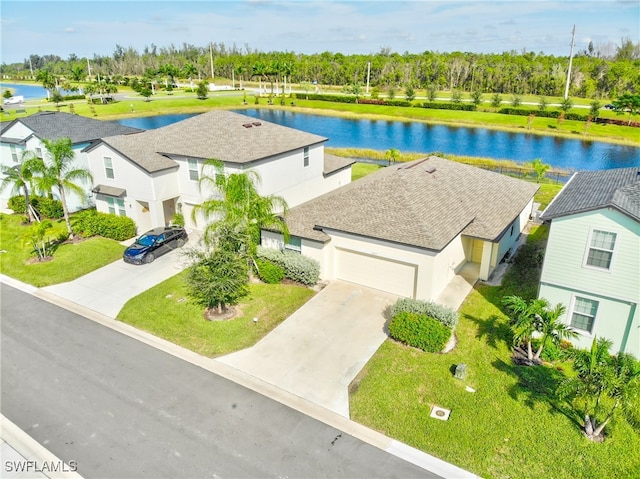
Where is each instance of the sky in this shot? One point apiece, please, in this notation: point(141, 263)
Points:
point(86, 27)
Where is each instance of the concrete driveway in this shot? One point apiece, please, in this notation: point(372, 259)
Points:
point(320, 349)
point(107, 289)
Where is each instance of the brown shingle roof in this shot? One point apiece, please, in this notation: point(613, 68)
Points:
point(335, 163)
point(426, 203)
point(219, 134)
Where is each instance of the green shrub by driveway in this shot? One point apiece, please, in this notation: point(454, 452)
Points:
point(419, 331)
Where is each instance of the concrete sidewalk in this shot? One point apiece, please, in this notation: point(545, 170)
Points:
point(24, 458)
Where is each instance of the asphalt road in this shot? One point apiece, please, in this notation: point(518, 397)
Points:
point(122, 409)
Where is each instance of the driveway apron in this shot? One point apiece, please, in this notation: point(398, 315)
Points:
point(107, 289)
point(320, 349)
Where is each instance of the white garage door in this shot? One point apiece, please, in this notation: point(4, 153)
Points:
point(376, 272)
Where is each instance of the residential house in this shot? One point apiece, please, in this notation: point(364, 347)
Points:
point(149, 176)
point(592, 260)
point(408, 229)
point(28, 132)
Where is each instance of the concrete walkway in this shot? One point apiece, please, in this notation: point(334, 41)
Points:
point(319, 349)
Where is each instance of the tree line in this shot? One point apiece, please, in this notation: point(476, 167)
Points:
point(596, 73)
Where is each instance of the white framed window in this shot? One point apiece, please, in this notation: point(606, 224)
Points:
point(39, 152)
point(306, 156)
point(116, 204)
point(600, 249)
point(294, 244)
point(108, 167)
point(14, 153)
point(583, 314)
point(193, 169)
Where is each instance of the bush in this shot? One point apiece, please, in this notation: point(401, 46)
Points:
point(296, 267)
point(419, 331)
point(446, 316)
point(48, 207)
point(45, 207)
point(269, 273)
point(92, 223)
point(449, 106)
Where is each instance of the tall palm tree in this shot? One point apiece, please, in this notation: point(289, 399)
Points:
point(237, 201)
point(190, 71)
point(20, 177)
point(60, 172)
point(552, 328)
point(603, 384)
point(524, 320)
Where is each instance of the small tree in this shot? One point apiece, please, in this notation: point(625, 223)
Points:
point(392, 155)
point(456, 96)
point(496, 100)
point(219, 278)
point(431, 92)
point(539, 168)
point(628, 102)
point(410, 93)
point(594, 110)
point(38, 236)
point(146, 93)
point(516, 100)
point(603, 386)
point(476, 98)
point(391, 92)
point(566, 104)
point(542, 103)
point(202, 91)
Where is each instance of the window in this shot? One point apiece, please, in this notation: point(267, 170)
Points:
point(116, 203)
point(512, 229)
point(294, 244)
point(193, 169)
point(306, 156)
point(39, 152)
point(584, 314)
point(108, 168)
point(14, 153)
point(600, 250)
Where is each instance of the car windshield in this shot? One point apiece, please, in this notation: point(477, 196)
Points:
point(146, 240)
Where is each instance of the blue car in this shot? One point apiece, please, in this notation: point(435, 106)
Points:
point(155, 243)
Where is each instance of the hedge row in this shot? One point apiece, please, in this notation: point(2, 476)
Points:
point(45, 207)
point(419, 331)
point(93, 223)
point(449, 106)
point(446, 316)
point(296, 267)
point(543, 113)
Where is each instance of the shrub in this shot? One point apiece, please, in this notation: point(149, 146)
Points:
point(91, 223)
point(269, 273)
point(17, 204)
point(449, 106)
point(178, 219)
point(419, 331)
point(446, 316)
point(296, 267)
point(48, 207)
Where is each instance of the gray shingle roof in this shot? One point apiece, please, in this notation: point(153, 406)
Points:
point(334, 163)
point(53, 125)
point(425, 203)
point(219, 134)
point(590, 190)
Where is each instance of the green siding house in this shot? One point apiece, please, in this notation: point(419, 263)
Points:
point(592, 261)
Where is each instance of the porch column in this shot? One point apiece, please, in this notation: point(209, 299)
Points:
point(485, 264)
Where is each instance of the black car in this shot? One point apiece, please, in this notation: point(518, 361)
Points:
point(155, 243)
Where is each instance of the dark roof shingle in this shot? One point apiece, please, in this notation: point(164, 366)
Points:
point(590, 190)
point(220, 134)
point(426, 203)
point(53, 125)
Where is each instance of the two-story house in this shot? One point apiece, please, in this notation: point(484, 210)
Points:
point(149, 176)
point(27, 133)
point(592, 260)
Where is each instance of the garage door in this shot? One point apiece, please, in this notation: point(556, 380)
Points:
point(376, 272)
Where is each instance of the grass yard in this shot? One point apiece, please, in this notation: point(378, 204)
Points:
point(166, 311)
point(70, 261)
point(512, 426)
point(358, 170)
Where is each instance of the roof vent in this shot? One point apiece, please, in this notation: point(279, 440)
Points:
point(247, 125)
point(256, 123)
point(430, 169)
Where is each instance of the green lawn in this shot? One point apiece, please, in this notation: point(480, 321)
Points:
point(70, 261)
point(166, 311)
point(358, 170)
point(511, 426)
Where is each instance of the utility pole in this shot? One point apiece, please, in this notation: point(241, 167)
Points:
point(211, 61)
point(368, 75)
point(89, 68)
point(566, 88)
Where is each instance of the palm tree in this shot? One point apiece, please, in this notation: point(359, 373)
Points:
point(552, 328)
point(392, 155)
point(603, 385)
point(539, 168)
point(524, 321)
point(61, 173)
point(48, 79)
point(190, 71)
point(237, 201)
point(20, 176)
